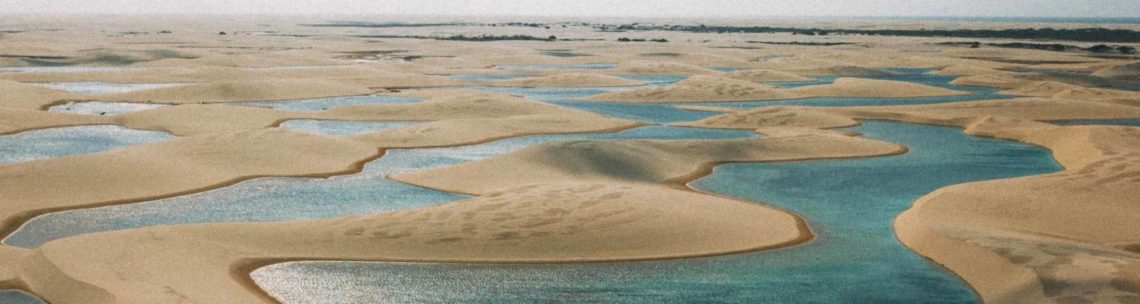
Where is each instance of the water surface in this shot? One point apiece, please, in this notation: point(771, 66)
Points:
point(68, 141)
point(321, 104)
point(283, 198)
point(850, 204)
point(103, 108)
point(342, 128)
point(99, 88)
point(18, 297)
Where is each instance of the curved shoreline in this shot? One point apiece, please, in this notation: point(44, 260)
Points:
point(243, 270)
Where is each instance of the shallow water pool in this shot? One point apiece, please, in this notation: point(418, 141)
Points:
point(342, 128)
point(18, 297)
point(321, 104)
point(68, 141)
point(99, 88)
point(283, 198)
point(103, 108)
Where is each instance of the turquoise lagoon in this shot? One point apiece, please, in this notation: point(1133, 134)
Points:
point(850, 204)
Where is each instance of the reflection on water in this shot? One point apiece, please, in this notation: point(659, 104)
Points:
point(68, 141)
point(341, 128)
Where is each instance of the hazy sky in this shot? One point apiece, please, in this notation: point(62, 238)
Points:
point(640, 8)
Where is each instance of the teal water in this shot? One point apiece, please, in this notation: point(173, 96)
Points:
point(321, 104)
point(1107, 122)
point(850, 204)
point(342, 128)
point(18, 297)
point(68, 141)
point(282, 198)
point(99, 88)
point(103, 108)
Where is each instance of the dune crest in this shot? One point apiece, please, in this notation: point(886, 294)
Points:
point(704, 88)
point(569, 80)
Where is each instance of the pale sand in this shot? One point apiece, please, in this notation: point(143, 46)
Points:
point(577, 209)
point(13, 120)
point(764, 117)
point(700, 88)
point(644, 67)
point(984, 238)
point(654, 162)
point(569, 80)
point(762, 75)
point(25, 96)
point(1062, 90)
point(871, 88)
point(719, 89)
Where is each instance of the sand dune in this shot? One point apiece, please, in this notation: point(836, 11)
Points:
point(636, 162)
point(17, 120)
point(577, 209)
point(762, 75)
point(644, 67)
point(569, 80)
point(768, 117)
point(25, 96)
point(1068, 237)
point(871, 88)
point(1126, 71)
point(700, 88)
point(245, 90)
point(1074, 92)
point(718, 88)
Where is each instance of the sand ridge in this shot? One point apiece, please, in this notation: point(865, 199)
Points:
point(569, 80)
point(702, 88)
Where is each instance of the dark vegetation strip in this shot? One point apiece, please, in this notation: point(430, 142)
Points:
point(1083, 34)
point(1056, 47)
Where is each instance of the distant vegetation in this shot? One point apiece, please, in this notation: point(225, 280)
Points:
point(1085, 34)
point(624, 39)
point(1055, 47)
